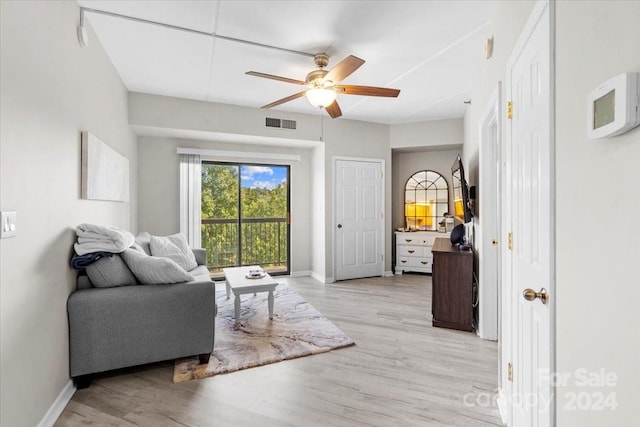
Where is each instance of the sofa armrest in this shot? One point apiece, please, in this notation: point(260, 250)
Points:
point(111, 328)
point(201, 255)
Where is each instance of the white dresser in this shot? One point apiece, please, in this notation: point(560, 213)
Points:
point(413, 250)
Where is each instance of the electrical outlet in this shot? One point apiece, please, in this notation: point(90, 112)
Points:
point(8, 225)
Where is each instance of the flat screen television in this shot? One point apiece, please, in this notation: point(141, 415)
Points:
point(462, 208)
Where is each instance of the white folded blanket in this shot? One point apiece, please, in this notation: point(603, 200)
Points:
point(96, 238)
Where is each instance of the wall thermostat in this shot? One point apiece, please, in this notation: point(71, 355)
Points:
point(613, 106)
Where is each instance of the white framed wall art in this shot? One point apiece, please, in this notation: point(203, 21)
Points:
point(105, 172)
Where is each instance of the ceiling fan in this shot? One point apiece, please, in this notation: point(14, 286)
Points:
point(323, 86)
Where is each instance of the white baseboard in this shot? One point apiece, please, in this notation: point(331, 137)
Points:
point(303, 273)
point(388, 273)
point(502, 406)
point(322, 279)
point(58, 405)
point(318, 277)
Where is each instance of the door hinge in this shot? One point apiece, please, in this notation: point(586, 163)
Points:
point(381, 257)
point(381, 174)
point(510, 245)
point(509, 110)
point(288, 218)
point(510, 372)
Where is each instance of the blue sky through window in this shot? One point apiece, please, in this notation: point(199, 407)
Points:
point(268, 177)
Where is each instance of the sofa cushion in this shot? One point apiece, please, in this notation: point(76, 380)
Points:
point(174, 247)
point(143, 239)
point(154, 270)
point(200, 273)
point(108, 272)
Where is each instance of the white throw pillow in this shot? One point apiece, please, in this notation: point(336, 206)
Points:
point(150, 270)
point(176, 248)
point(143, 239)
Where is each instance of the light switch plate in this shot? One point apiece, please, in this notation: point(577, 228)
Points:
point(8, 225)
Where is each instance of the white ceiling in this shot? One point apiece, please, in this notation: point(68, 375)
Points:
point(427, 49)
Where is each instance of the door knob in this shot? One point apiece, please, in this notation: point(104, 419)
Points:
point(339, 225)
point(530, 295)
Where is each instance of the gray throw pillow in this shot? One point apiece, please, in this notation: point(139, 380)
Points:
point(151, 270)
point(143, 240)
point(176, 248)
point(108, 272)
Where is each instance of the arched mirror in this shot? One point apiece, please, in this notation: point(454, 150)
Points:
point(426, 200)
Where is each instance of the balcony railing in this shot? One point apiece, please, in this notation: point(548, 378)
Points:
point(264, 243)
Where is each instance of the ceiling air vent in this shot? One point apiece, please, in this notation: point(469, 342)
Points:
point(281, 124)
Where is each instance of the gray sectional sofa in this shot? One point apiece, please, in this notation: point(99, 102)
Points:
point(122, 326)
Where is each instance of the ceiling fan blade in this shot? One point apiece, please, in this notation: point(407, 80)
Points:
point(334, 110)
point(368, 91)
point(283, 100)
point(274, 77)
point(344, 68)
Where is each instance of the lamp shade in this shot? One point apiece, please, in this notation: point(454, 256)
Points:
point(321, 97)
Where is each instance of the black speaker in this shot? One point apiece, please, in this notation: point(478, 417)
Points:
point(457, 235)
point(472, 192)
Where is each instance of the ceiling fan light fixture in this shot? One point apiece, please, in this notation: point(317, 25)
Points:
point(321, 97)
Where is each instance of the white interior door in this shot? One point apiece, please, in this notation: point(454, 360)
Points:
point(489, 218)
point(358, 219)
point(530, 210)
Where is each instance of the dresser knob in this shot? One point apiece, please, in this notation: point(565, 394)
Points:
point(408, 240)
point(424, 262)
point(411, 251)
point(403, 261)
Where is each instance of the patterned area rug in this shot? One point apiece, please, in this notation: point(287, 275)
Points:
point(297, 330)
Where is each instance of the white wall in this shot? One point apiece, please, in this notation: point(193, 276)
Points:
point(505, 27)
point(598, 292)
point(433, 134)
point(168, 113)
point(51, 89)
point(318, 213)
point(159, 190)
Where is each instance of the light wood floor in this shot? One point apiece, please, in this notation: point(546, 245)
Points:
point(402, 372)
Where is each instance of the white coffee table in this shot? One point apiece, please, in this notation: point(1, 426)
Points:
point(238, 283)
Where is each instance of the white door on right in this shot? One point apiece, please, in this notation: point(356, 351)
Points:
point(531, 214)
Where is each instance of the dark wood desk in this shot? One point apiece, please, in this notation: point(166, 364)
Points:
point(452, 278)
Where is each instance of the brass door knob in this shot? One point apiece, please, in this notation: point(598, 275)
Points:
point(530, 295)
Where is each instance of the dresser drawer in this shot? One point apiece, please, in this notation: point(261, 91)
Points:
point(411, 239)
point(412, 251)
point(406, 263)
point(415, 239)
